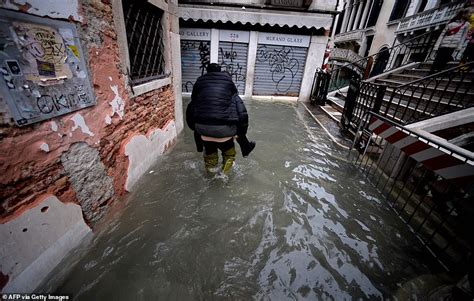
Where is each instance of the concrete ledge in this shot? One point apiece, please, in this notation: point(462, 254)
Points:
point(285, 99)
point(35, 242)
point(153, 85)
point(426, 127)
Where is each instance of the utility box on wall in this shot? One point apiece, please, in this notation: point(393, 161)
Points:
point(43, 68)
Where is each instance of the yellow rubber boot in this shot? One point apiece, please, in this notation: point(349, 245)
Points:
point(229, 157)
point(211, 161)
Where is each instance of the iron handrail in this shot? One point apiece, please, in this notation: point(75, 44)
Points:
point(378, 53)
point(403, 128)
point(439, 74)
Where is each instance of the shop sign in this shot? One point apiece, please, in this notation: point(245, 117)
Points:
point(283, 39)
point(234, 36)
point(198, 34)
point(287, 3)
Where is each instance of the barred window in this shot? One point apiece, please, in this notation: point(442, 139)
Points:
point(145, 41)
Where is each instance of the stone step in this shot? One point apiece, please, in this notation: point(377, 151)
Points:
point(402, 110)
point(336, 102)
point(427, 104)
point(427, 65)
point(404, 77)
point(332, 112)
point(425, 72)
point(466, 78)
point(431, 95)
point(433, 87)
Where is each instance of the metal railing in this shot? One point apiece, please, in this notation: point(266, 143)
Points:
point(145, 41)
point(437, 205)
point(441, 93)
point(414, 49)
point(431, 17)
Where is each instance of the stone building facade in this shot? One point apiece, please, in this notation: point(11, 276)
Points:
point(271, 48)
point(366, 27)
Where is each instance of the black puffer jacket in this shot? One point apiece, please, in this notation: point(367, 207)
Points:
point(215, 103)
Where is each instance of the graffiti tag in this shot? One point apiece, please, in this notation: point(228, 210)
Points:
point(235, 70)
point(60, 102)
point(283, 66)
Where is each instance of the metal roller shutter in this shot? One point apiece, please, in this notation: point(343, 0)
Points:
point(195, 57)
point(233, 59)
point(279, 70)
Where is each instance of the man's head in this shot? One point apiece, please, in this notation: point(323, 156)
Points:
point(213, 68)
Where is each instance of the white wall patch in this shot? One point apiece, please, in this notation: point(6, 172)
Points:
point(117, 103)
point(44, 147)
point(37, 240)
point(54, 126)
point(108, 120)
point(60, 9)
point(79, 122)
point(81, 74)
point(143, 151)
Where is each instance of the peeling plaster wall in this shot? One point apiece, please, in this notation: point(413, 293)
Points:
point(87, 175)
point(58, 9)
point(143, 150)
point(81, 157)
point(36, 241)
point(31, 156)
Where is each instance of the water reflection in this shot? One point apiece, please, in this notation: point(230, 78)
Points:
point(293, 221)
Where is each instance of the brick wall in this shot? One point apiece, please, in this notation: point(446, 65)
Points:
point(28, 172)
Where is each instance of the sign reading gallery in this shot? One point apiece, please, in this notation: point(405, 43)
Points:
point(197, 34)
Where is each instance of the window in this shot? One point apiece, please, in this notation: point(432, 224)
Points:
point(145, 41)
point(399, 9)
point(374, 12)
point(422, 6)
point(339, 22)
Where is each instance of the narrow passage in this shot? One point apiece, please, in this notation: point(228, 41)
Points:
point(292, 222)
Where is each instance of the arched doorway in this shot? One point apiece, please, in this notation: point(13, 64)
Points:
point(380, 61)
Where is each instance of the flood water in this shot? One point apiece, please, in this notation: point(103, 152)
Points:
point(294, 221)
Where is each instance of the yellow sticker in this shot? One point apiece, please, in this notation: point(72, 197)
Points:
point(74, 50)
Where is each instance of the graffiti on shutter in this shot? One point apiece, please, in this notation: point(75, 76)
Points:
point(233, 59)
point(195, 56)
point(279, 70)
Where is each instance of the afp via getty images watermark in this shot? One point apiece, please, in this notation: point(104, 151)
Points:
point(40, 297)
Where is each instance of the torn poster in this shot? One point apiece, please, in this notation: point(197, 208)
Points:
point(43, 47)
point(41, 73)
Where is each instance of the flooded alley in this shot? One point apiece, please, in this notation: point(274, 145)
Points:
point(294, 221)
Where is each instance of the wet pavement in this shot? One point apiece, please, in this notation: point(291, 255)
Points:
point(294, 221)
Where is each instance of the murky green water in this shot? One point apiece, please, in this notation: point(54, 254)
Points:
point(293, 221)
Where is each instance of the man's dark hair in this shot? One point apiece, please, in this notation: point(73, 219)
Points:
point(213, 67)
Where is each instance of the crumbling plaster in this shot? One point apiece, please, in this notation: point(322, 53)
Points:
point(27, 152)
point(58, 9)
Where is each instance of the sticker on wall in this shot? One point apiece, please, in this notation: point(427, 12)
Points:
point(14, 68)
point(43, 75)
